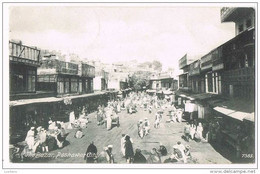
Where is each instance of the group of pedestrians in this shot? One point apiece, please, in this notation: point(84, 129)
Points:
point(80, 122)
point(108, 114)
point(193, 132)
point(43, 140)
point(143, 127)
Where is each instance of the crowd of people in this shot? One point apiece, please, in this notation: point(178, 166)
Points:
point(41, 140)
point(132, 103)
point(45, 140)
point(180, 153)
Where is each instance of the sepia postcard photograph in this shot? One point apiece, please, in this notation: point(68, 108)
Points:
point(129, 85)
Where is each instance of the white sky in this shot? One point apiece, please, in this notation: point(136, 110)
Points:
point(114, 34)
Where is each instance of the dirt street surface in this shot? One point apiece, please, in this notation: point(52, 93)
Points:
point(168, 134)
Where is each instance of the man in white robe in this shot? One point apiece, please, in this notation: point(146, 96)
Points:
point(199, 131)
point(179, 116)
point(146, 126)
point(72, 119)
point(123, 144)
point(30, 138)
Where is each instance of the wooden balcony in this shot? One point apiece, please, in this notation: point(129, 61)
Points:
point(240, 75)
point(233, 14)
point(19, 53)
point(59, 67)
point(86, 70)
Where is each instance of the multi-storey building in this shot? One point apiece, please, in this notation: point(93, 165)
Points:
point(58, 76)
point(197, 80)
point(228, 74)
point(24, 61)
point(229, 68)
point(100, 80)
point(163, 81)
point(239, 53)
point(207, 75)
point(87, 74)
point(184, 81)
point(244, 18)
point(118, 80)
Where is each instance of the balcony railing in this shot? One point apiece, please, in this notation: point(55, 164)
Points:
point(240, 75)
point(87, 70)
point(25, 61)
point(185, 88)
point(24, 54)
point(68, 71)
point(194, 71)
point(60, 66)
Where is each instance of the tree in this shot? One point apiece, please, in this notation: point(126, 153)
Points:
point(157, 65)
point(139, 80)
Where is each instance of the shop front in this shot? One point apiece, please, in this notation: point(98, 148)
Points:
point(236, 129)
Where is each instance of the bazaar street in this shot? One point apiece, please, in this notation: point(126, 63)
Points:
point(168, 134)
point(119, 85)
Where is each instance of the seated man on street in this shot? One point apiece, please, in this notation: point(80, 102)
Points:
point(154, 157)
point(163, 150)
point(139, 157)
point(187, 151)
point(79, 133)
point(179, 151)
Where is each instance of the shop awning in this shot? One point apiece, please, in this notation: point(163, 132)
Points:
point(201, 96)
point(50, 99)
point(237, 109)
point(167, 92)
point(235, 114)
point(184, 73)
point(151, 90)
point(182, 95)
point(250, 117)
point(38, 100)
point(88, 95)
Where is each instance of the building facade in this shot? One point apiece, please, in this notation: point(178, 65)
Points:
point(100, 80)
point(228, 76)
point(87, 74)
point(184, 80)
point(23, 62)
point(59, 77)
point(244, 18)
point(163, 82)
point(227, 70)
point(239, 54)
point(197, 80)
